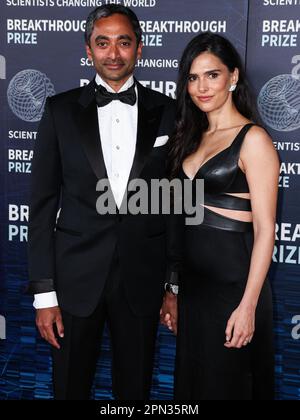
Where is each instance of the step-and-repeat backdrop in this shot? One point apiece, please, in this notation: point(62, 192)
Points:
point(42, 53)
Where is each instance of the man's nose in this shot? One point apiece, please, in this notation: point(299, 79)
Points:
point(114, 52)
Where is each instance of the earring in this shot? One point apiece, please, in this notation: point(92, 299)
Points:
point(232, 88)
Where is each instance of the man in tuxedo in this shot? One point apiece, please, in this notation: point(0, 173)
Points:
point(87, 268)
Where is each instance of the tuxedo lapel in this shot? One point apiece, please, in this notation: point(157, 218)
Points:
point(86, 117)
point(149, 118)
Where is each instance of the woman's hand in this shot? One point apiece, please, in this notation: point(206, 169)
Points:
point(240, 327)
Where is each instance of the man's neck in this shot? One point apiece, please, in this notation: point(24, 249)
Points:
point(115, 86)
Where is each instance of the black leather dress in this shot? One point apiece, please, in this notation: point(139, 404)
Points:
point(217, 256)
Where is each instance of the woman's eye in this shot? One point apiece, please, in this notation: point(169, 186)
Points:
point(213, 75)
point(192, 78)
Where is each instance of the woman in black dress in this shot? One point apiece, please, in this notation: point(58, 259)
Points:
point(224, 347)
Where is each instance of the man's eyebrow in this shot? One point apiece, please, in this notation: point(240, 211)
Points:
point(106, 38)
point(100, 37)
point(128, 37)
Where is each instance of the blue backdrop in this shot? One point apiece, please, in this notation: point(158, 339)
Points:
point(42, 53)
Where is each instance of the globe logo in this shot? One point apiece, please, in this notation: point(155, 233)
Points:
point(279, 103)
point(27, 93)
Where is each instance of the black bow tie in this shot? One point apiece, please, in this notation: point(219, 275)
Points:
point(103, 97)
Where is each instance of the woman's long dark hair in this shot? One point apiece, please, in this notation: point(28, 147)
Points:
point(191, 122)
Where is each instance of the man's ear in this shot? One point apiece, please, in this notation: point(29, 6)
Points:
point(88, 52)
point(139, 50)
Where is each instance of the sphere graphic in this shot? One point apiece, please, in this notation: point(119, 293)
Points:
point(279, 103)
point(27, 93)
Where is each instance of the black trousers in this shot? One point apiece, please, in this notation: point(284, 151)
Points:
point(133, 346)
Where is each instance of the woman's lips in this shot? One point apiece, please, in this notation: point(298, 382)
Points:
point(204, 98)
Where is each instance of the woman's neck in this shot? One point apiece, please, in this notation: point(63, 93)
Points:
point(223, 118)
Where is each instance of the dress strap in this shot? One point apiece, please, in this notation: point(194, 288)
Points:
point(238, 141)
point(218, 221)
point(227, 201)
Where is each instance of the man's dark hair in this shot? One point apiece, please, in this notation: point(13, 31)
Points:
point(109, 10)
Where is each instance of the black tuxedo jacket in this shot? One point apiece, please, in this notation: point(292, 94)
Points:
point(72, 254)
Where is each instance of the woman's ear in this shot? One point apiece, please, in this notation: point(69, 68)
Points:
point(235, 76)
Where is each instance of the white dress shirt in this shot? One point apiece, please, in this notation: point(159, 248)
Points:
point(118, 130)
point(118, 133)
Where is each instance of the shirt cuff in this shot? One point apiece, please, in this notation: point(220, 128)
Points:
point(172, 277)
point(45, 300)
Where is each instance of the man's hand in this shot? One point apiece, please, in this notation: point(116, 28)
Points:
point(168, 312)
point(45, 318)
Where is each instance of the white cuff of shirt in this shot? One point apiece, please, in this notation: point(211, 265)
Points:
point(45, 300)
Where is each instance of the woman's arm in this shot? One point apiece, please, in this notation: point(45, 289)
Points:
point(260, 162)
